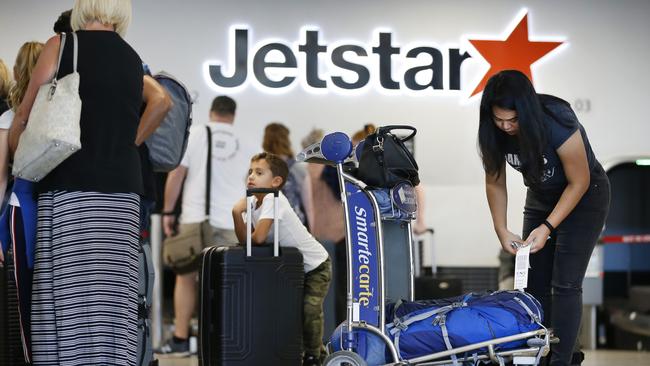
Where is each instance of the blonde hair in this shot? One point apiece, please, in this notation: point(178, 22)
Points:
point(114, 12)
point(361, 134)
point(276, 140)
point(25, 63)
point(314, 136)
point(5, 80)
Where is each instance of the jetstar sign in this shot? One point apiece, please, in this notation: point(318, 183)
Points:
point(348, 67)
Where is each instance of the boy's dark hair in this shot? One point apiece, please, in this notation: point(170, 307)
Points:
point(278, 166)
point(62, 25)
point(223, 105)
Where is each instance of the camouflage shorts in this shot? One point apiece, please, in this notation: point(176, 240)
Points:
point(317, 282)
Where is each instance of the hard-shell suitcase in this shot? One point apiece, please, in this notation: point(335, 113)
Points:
point(427, 284)
point(251, 301)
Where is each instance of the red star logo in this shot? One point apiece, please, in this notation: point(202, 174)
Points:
point(515, 53)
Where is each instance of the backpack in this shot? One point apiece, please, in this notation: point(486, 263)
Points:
point(424, 327)
point(293, 187)
point(385, 161)
point(168, 143)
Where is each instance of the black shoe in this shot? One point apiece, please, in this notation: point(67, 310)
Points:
point(577, 358)
point(174, 349)
point(310, 360)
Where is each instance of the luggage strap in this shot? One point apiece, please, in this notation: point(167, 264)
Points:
point(534, 318)
point(400, 324)
point(442, 321)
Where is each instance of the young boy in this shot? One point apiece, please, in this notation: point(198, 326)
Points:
point(270, 171)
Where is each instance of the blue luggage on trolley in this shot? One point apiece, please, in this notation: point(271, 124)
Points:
point(425, 327)
point(420, 328)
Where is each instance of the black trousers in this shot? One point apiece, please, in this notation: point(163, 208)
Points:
point(557, 271)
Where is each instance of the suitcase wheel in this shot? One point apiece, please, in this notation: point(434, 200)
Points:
point(346, 358)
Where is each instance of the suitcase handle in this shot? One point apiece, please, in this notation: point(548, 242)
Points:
point(249, 224)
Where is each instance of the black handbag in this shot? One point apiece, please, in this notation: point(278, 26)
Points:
point(385, 160)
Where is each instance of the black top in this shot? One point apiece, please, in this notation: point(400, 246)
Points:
point(560, 122)
point(110, 87)
point(4, 105)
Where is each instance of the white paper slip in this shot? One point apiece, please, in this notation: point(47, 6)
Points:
point(521, 267)
point(355, 312)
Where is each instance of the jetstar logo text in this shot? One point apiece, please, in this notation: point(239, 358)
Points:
point(274, 65)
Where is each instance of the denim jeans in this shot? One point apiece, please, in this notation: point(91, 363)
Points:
point(557, 271)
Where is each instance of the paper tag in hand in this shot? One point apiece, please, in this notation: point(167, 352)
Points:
point(521, 267)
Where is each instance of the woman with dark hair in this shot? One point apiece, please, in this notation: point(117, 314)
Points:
point(567, 199)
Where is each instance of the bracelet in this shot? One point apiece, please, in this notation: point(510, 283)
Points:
point(169, 213)
point(549, 226)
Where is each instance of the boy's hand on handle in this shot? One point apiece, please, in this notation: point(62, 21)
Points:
point(169, 221)
point(537, 238)
point(506, 237)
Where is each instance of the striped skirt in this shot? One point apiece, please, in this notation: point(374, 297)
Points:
point(85, 286)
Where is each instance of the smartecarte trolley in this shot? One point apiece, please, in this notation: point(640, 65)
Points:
point(380, 270)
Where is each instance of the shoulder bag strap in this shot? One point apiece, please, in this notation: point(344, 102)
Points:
point(75, 44)
point(75, 53)
point(208, 172)
point(58, 63)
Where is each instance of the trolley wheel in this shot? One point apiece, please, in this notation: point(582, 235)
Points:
point(344, 358)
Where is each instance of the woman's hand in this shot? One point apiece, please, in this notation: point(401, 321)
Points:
point(537, 238)
point(506, 237)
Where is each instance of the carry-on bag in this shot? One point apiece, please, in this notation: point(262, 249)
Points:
point(251, 302)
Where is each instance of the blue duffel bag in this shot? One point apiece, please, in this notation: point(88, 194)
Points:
point(420, 328)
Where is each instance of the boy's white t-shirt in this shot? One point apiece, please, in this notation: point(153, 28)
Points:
point(292, 232)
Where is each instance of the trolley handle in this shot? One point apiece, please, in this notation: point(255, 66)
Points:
point(249, 219)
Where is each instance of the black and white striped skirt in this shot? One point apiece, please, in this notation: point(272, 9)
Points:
point(85, 286)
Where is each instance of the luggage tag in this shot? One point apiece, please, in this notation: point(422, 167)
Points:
point(522, 264)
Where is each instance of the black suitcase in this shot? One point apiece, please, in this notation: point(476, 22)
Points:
point(429, 287)
point(251, 305)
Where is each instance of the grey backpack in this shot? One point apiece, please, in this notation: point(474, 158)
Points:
point(168, 143)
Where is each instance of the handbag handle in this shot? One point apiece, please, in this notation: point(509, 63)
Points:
point(74, 54)
point(386, 129)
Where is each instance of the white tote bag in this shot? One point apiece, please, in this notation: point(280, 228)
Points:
point(52, 133)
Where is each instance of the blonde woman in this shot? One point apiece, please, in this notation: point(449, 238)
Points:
point(20, 214)
point(84, 303)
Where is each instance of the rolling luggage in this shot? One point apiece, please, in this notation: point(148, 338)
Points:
point(429, 287)
point(251, 303)
point(427, 284)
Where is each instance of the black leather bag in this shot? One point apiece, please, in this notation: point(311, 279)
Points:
point(385, 160)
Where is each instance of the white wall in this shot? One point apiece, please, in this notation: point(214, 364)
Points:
point(605, 62)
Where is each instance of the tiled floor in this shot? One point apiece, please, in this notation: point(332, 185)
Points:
point(593, 358)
